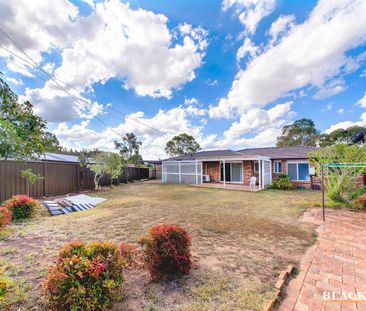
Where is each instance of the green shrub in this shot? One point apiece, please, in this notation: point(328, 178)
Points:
point(85, 276)
point(6, 285)
point(167, 251)
point(282, 182)
point(21, 206)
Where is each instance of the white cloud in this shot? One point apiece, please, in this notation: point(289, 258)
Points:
point(169, 123)
point(362, 101)
point(15, 81)
point(247, 48)
point(347, 124)
point(340, 110)
point(330, 89)
point(257, 120)
point(310, 55)
point(114, 41)
point(265, 138)
point(190, 101)
point(54, 105)
point(250, 12)
point(281, 27)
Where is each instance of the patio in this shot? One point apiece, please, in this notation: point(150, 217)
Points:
point(227, 186)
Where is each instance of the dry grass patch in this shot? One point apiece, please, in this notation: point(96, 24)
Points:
point(241, 242)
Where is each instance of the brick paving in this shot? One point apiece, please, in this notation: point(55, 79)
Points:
point(337, 262)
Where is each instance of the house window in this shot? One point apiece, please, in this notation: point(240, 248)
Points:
point(298, 171)
point(278, 166)
point(256, 167)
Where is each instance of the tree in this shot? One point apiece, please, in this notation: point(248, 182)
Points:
point(129, 150)
point(105, 163)
point(51, 142)
point(301, 132)
point(340, 183)
point(114, 165)
point(340, 136)
point(30, 177)
point(21, 131)
point(99, 167)
point(182, 144)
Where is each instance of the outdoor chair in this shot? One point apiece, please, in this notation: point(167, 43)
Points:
point(252, 182)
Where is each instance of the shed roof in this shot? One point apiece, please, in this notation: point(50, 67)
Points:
point(59, 157)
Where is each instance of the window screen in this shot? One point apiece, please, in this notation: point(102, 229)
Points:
point(303, 171)
point(292, 170)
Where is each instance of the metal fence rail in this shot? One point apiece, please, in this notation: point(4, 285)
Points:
point(59, 178)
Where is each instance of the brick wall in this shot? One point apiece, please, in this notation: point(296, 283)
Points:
point(247, 172)
point(212, 169)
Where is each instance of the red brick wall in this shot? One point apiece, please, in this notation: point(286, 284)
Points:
point(247, 172)
point(212, 169)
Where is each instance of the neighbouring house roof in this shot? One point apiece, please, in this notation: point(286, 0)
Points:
point(59, 157)
point(293, 152)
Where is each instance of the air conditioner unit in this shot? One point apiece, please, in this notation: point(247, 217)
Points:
point(206, 178)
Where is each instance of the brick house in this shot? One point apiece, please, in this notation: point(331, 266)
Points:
point(237, 167)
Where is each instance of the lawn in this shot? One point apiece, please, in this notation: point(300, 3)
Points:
point(241, 242)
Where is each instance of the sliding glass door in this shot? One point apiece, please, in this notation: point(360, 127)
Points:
point(233, 172)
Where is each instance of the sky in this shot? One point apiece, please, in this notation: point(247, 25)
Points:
point(231, 73)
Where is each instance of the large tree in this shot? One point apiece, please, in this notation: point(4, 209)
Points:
point(129, 150)
point(22, 132)
point(51, 142)
point(301, 132)
point(339, 136)
point(182, 144)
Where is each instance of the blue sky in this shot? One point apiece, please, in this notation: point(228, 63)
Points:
point(230, 72)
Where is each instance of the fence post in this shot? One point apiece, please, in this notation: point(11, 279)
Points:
point(44, 179)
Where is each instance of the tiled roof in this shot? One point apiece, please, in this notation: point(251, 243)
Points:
point(209, 154)
point(293, 152)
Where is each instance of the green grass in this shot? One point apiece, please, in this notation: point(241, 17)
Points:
point(241, 242)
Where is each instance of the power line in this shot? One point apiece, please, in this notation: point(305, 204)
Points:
point(55, 79)
point(22, 68)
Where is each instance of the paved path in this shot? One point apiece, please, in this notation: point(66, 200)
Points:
point(337, 262)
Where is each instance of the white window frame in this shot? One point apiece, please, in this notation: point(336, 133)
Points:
point(276, 166)
point(297, 169)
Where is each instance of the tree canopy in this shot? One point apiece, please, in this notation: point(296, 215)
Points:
point(22, 133)
point(182, 144)
point(129, 148)
point(340, 136)
point(301, 132)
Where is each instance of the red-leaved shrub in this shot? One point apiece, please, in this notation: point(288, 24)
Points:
point(360, 202)
point(167, 251)
point(5, 216)
point(21, 206)
point(130, 254)
point(86, 276)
